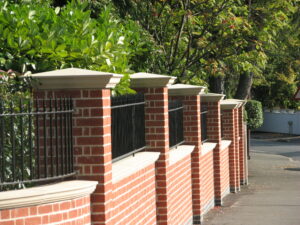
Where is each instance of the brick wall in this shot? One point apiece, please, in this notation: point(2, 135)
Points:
point(237, 147)
point(92, 143)
point(241, 145)
point(192, 136)
point(70, 212)
point(134, 198)
point(229, 123)
point(207, 182)
point(225, 187)
point(180, 192)
point(214, 135)
point(157, 140)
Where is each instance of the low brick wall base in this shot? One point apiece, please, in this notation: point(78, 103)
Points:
point(71, 212)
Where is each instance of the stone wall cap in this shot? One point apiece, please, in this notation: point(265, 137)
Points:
point(63, 191)
point(212, 97)
point(185, 89)
point(229, 104)
point(132, 164)
point(144, 80)
point(207, 147)
point(74, 78)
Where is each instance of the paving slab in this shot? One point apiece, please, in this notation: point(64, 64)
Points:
point(271, 198)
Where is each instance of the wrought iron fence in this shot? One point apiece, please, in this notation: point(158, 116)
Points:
point(35, 142)
point(222, 125)
point(204, 112)
point(175, 123)
point(128, 125)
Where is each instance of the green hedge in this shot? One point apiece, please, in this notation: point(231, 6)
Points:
point(254, 114)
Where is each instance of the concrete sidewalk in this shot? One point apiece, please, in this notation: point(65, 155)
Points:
point(271, 198)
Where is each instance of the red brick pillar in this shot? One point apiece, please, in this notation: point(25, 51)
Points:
point(242, 158)
point(155, 90)
point(91, 128)
point(190, 96)
point(229, 129)
point(214, 135)
point(237, 146)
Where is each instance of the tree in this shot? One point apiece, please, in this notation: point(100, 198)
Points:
point(223, 43)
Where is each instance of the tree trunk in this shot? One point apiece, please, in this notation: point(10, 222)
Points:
point(244, 87)
point(216, 84)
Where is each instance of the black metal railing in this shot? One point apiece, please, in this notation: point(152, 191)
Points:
point(35, 142)
point(128, 125)
point(222, 125)
point(175, 123)
point(204, 112)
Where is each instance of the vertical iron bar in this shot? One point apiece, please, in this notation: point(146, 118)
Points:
point(68, 134)
point(37, 130)
point(133, 126)
point(51, 138)
point(2, 179)
point(71, 134)
point(56, 138)
point(22, 140)
point(45, 140)
point(30, 139)
point(61, 138)
point(12, 139)
point(65, 137)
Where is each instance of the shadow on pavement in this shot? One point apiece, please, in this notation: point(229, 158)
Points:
point(290, 154)
point(292, 169)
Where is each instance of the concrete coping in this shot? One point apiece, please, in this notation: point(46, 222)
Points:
point(225, 144)
point(179, 153)
point(230, 104)
point(74, 78)
point(185, 90)
point(132, 164)
point(148, 80)
point(242, 102)
point(212, 97)
point(63, 191)
point(207, 147)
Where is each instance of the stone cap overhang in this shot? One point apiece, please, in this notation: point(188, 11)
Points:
point(148, 80)
point(185, 90)
point(63, 191)
point(243, 102)
point(74, 78)
point(212, 97)
point(230, 104)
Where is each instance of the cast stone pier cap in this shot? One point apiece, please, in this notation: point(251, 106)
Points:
point(150, 80)
point(212, 97)
point(185, 90)
point(243, 102)
point(230, 104)
point(74, 78)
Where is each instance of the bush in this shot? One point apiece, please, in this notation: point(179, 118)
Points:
point(38, 38)
point(254, 114)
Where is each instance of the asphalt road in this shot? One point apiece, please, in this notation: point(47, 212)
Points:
point(288, 149)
